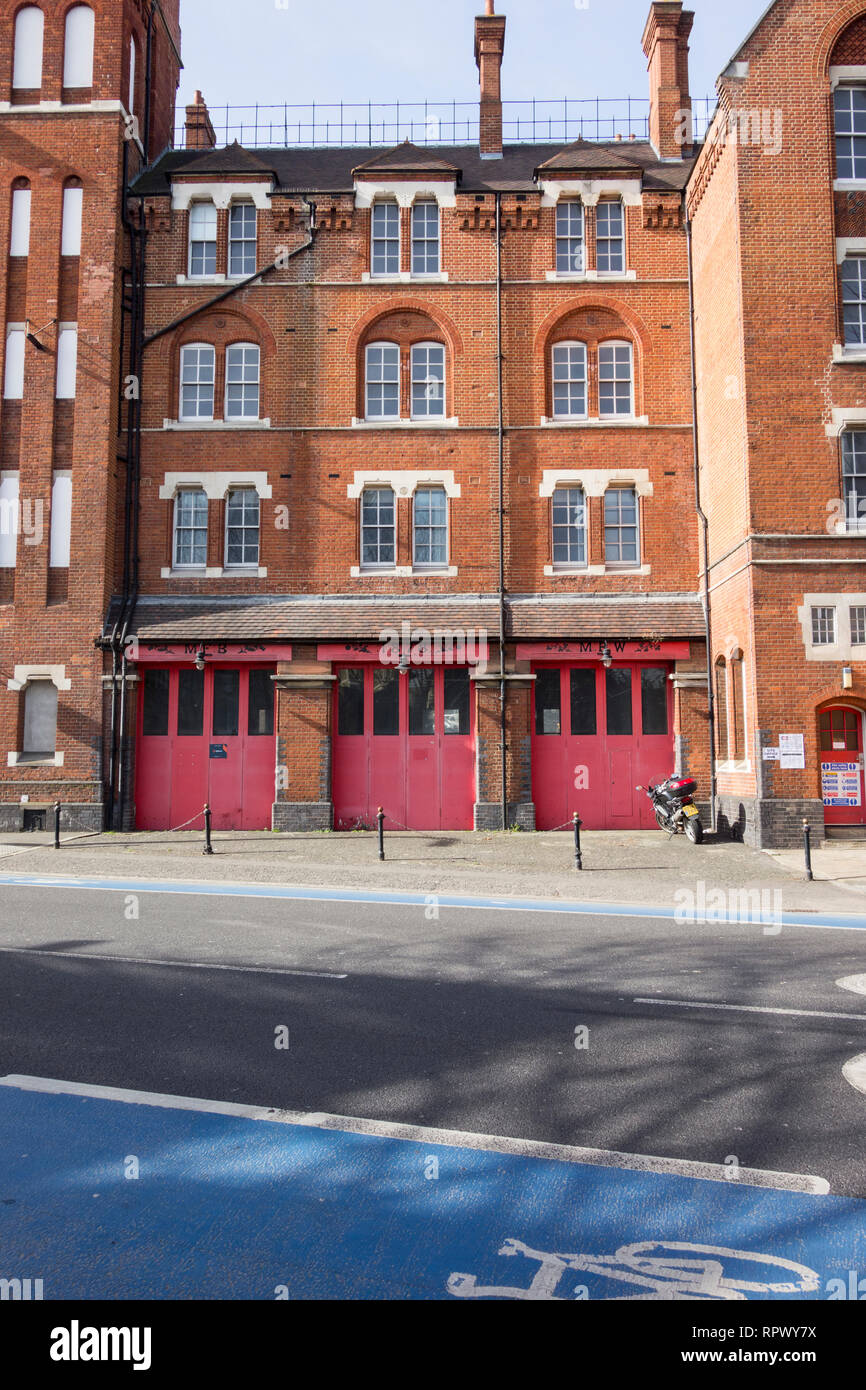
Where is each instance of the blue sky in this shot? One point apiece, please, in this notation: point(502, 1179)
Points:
point(271, 51)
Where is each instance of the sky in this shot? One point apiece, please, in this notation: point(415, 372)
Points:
point(299, 51)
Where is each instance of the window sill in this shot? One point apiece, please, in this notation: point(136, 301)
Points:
point(35, 759)
point(572, 571)
point(593, 422)
point(843, 353)
point(202, 279)
point(731, 766)
point(217, 572)
point(216, 424)
point(405, 277)
point(850, 528)
point(451, 423)
point(849, 185)
point(590, 275)
point(403, 572)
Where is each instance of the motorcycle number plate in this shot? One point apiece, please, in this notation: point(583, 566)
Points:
point(690, 810)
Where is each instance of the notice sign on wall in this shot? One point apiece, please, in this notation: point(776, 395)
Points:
point(840, 784)
point(792, 751)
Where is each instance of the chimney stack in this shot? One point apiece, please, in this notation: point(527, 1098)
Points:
point(489, 48)
point(199, 131)
point(666, 45)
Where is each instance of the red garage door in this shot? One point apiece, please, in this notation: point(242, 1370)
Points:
point(206, 736)
point(597, 733)
point(404, 741)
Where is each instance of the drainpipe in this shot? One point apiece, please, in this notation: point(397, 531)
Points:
point(503, 743)
point(705, 526)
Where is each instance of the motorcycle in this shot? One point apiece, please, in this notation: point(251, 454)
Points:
point(674, 805)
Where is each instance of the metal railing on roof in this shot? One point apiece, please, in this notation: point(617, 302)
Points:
point(434, 122)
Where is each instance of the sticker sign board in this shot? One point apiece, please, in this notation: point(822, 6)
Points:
point(792, 752)
point(771, 755)
point(840, 784)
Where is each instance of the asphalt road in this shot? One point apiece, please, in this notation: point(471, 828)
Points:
point(465, 1021)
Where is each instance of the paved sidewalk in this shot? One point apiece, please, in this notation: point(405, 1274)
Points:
point(619, 866)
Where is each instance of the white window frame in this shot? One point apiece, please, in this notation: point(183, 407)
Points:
point(10, 519)
point(368, 565)
point(858, 629)
point(29, 48)
point(858, 303)
point(244, 527)
point(854, 502)
point(609, 240)
point(251, 355)
point(198, 349)
point(431, 566)
point(204, 208)
point(78, 46)
point(428, 381)
point(620, 527)
point(853, 177)
point(824, 620)
point(563, 207)
point(19, 235)
point(67, 362)
point(16, 343)
point(425, 241)
point(389, 241)
point(570, 380)
point(613, 344)
point(70, 235)
point(381, 381)
point(581, 527)
point(244, 242)
point(60, 542)
point(178, 564)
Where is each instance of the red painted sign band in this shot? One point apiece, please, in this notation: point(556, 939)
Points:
point(591, 651)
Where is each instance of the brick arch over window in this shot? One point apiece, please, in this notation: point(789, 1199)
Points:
point(843, 35)
point(444, 329)
point(404, 328)
point(593, 324)
point(222, 328)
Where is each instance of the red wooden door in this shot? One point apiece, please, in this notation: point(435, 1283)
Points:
point(596, 733)
point(842, 784)
point(403, 741)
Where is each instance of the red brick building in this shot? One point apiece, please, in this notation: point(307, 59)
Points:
point(367, 475)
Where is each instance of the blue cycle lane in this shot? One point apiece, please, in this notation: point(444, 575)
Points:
point(108, 1198)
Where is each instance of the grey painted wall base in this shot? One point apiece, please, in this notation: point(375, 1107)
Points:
point(770, 823)
point(302, 815)
point(74, 815)
point(488, 815)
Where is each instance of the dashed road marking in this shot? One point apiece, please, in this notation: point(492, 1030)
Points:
point(748, 1009)
point(173, 964)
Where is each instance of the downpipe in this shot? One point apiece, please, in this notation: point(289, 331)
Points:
point(503, 740)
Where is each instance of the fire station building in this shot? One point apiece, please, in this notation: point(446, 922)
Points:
point(477, 481)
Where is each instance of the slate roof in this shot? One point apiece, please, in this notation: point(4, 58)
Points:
point(306, 618)
point(234, 159)
point(329, 169)
point(407, 158)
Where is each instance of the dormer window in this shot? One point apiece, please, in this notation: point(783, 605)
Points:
point(242, 239)
point(202, 240)
point(425, 238)
point(610, 238)
point(569, 238)
point(385, 245)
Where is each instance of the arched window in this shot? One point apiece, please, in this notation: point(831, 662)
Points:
point(19, 240)
point(242, 382)
point(378, 528)
point(78, 47)
point(569, 381)
point(737, 708)
point(70, 235)
point(383, 381)
point(131, 107)
point(721, 709)
point(40, 719)
point(29, 35)
point(615, 389)
point(428, 380)
point(197, 375)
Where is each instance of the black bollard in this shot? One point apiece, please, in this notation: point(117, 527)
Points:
point(381, 819)
point(57, 825)
point(807, 846)
point(208, 847)
point(578, 857)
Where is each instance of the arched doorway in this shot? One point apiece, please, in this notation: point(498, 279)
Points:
point(841, 744)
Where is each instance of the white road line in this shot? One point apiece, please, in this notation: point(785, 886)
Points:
point(175, 964)
point(421, 1134)
point(855, 983)
point(854, 1072)
point(748, 1009)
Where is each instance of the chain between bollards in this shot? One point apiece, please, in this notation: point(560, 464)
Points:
point(578, 856)
point(380, 817)
point(57, 825)
point(807, 846)
point(208, 847)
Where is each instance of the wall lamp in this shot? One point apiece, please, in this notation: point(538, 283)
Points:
point(847, 677)
point(606, 658)
point(199, 659)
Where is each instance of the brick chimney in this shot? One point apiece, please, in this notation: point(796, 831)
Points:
point(199, 131)
point(666, 45)
point(489, 48)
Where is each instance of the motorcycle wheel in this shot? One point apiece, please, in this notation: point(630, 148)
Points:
point(694, 829)
point(662, 820)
